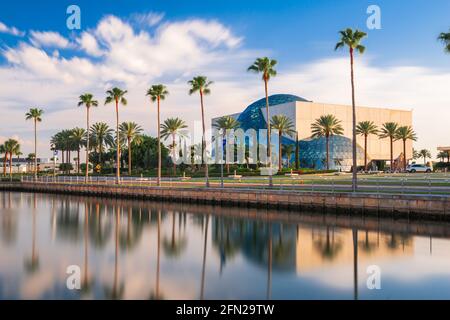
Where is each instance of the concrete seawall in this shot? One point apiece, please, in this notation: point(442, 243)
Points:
point(397, 206)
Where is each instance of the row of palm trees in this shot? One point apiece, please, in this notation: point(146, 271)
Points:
point(9, 148)
point(349, 38)
point(328, 125)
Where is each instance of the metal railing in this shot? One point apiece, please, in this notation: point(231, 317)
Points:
point(325, 184)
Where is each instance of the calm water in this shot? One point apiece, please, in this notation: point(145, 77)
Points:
point(137, 250)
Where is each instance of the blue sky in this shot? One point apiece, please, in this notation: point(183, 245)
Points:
point(404, 65)
point(294, 30)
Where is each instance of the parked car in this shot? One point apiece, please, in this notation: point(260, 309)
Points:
point(413, 168)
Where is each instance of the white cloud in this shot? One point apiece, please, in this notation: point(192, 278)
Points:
point(148, 19)
point(89, 44)
point(10, 30)
point(49, 39)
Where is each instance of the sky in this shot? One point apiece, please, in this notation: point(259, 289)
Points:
point(134, 44)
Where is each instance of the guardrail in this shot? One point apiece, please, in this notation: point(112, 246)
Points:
point(325, 184)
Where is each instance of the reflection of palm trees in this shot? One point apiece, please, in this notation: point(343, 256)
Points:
point(269, 264)
point(202, 286)
point(366, 245)
point(174, 247)
point(330, 248)
point(100, 229)
point(85, 283)
point(157, 295)
point(355, 263)
point(117, 290)
point(32, 264)
point(227, 238)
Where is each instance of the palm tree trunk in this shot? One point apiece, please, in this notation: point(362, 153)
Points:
point(174, 154)
point(297, 156)
point(118, 144)
point(78, 160)
point(392, 155)
point(10, 165)
point(269, 149)
point(35, 149)
point(5, 159)
point(87, 144)
point(365, 152)
point(328, 151)
point(159, 145)
point(129, 157)
point(404, 155)
point(204, 140)
point(354, 171)
point(280, 157)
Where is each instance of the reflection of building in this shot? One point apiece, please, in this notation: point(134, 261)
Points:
point(312, 152)
point(330, 246)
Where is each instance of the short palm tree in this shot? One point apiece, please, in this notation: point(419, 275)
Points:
point(117, 96)
point(78, 136)
point(424, 153)
point(201, 85)
point(157, 93)
point(441, 155)
point(172, 127)
point(389, 130)
point(444, 37)
point(101, 136)
point(352, 40)
point(130, 132)
point(405, 133)
point(35, 114)
point(5, 157)
point(327, 126)
point(266, 66)
point(288, 150)
point(365, 129)
point(284, 126)
point(88, 101)
point(226, 123)
point(11, 147)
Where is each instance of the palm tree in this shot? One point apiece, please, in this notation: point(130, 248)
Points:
point(157, 93)
point(118, 96)
point(441, 155)
point(172, 127)
point(405, 133)
point(5, 157)
point(201, 85)
point(352, 39)
point(288, 150)
point(445, 39)
point(11, 146)
point(366, 128)
point(131, 132)
point(101, 136)
point(284, 126)
point(424, 153)
point(266, 66)
point(78, 137)
point(226, 123)
point(36, 115)
point(327, 126)
point(416, 154)
point(389, 130)
point(88, 101)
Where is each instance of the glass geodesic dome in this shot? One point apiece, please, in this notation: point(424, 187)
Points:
point(252, 117)
point(313, 153)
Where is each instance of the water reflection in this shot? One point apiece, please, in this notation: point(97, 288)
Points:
point(147, 250)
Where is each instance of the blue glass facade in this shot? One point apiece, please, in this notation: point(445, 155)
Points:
point(312, 152)
point(252, 116)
